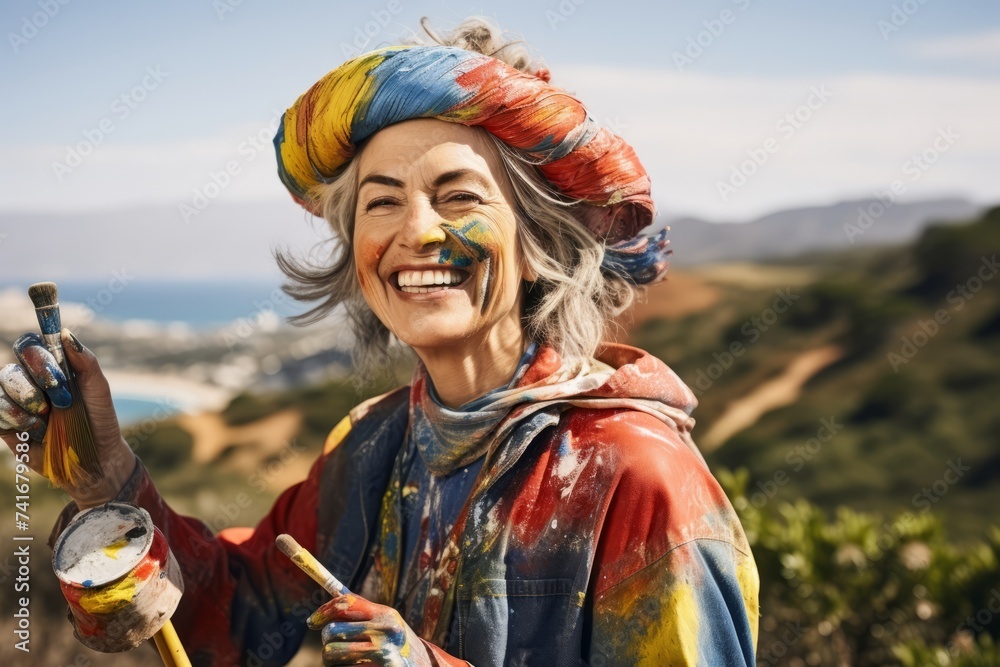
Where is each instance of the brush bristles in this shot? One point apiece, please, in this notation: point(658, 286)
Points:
point(43, 294)
point(70, 457)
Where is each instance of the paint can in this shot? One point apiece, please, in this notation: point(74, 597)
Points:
point(116, 572)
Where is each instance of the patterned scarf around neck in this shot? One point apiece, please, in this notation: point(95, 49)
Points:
point(500, 424)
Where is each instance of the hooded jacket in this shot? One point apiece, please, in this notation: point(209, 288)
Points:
point(602, 539)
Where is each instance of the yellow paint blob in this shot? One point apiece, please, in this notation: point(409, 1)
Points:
point(673, 640)
point(433, 235)
point(338, 433)
point(111, 598)
point(111, 551)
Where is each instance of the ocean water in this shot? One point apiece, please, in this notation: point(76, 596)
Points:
point(131, 410)
point(198, 304)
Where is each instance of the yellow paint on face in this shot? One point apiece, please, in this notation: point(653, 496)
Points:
point(109, 599)
point(111, 551)
point(433, 235)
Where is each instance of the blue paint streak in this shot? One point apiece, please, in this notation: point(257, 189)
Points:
point(412, 83)
point(49, 320)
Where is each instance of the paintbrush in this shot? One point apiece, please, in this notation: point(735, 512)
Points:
point(308, 564)
point(70, 457)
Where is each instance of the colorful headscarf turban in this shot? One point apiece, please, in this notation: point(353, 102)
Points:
point(320, 133)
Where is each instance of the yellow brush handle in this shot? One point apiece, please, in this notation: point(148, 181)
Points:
point(169, 646)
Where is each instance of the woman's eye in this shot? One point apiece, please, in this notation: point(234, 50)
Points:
point(465, 197)
point(376, 203)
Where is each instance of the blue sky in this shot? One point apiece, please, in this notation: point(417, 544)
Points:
point(227, 67)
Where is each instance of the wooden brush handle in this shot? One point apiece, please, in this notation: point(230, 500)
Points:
point(169, 645)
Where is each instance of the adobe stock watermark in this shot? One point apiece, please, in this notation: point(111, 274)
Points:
point(786, 127)
point(752, 329)
point(363, 35)
point(913, 170)
point(714, 27)
point(220, 179)
point(774, 653)
point(932, 494)
point(225, 7)
point(796, 458)
point(900, 16)
point(561, 12)
point(103, 297)
point(978, 622)
point(31, 25)
point(140, 431)
point(927, 329)
point(227, 513)
point(121, 108)
point(263, 317)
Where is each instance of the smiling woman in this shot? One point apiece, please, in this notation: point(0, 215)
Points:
point(533, 495)
point(432, 205)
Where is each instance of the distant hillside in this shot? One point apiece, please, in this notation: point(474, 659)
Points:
point(233, 241)
point(872, 384)
point(792, 232)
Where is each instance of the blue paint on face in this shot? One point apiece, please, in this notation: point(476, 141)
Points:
point(454, 259)
point(477, 238)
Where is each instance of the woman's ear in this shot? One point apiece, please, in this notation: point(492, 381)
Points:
point(527, 272)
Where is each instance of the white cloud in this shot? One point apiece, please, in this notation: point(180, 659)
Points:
point(116, 175)
point(690, 129)
point(981, 47)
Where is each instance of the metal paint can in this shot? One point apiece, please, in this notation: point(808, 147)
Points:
point(118, 575)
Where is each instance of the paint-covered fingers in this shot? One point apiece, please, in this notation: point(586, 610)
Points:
point(13, 417)
point(360, 643)
point(346, 632)
point(18, 386)
point(350, 653)
point(44, 370)
point(21, 430)
point(357, 631)
point(348, 607)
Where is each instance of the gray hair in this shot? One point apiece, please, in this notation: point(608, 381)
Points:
point(569, 306)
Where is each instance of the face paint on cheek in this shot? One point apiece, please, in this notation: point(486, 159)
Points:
point(484, 247)
point(366, 260)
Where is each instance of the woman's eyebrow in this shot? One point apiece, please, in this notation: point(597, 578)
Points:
point(456, 174)
point(380, 179)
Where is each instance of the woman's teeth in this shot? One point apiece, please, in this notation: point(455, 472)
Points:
point(418, 282)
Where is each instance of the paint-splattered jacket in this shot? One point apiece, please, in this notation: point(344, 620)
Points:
point(606, 541)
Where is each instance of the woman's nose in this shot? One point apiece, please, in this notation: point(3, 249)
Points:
point(422, 227)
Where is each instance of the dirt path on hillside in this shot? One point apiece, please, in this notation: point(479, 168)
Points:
point(775, 393)
point(681, 294)
point(249, 446)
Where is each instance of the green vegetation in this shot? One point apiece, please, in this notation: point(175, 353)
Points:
point(862, 590)
point(912, 396)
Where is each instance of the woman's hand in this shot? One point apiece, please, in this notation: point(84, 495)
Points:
point(29, 389)
point(356, 631)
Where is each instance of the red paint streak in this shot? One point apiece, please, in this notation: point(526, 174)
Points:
point(533, 512)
